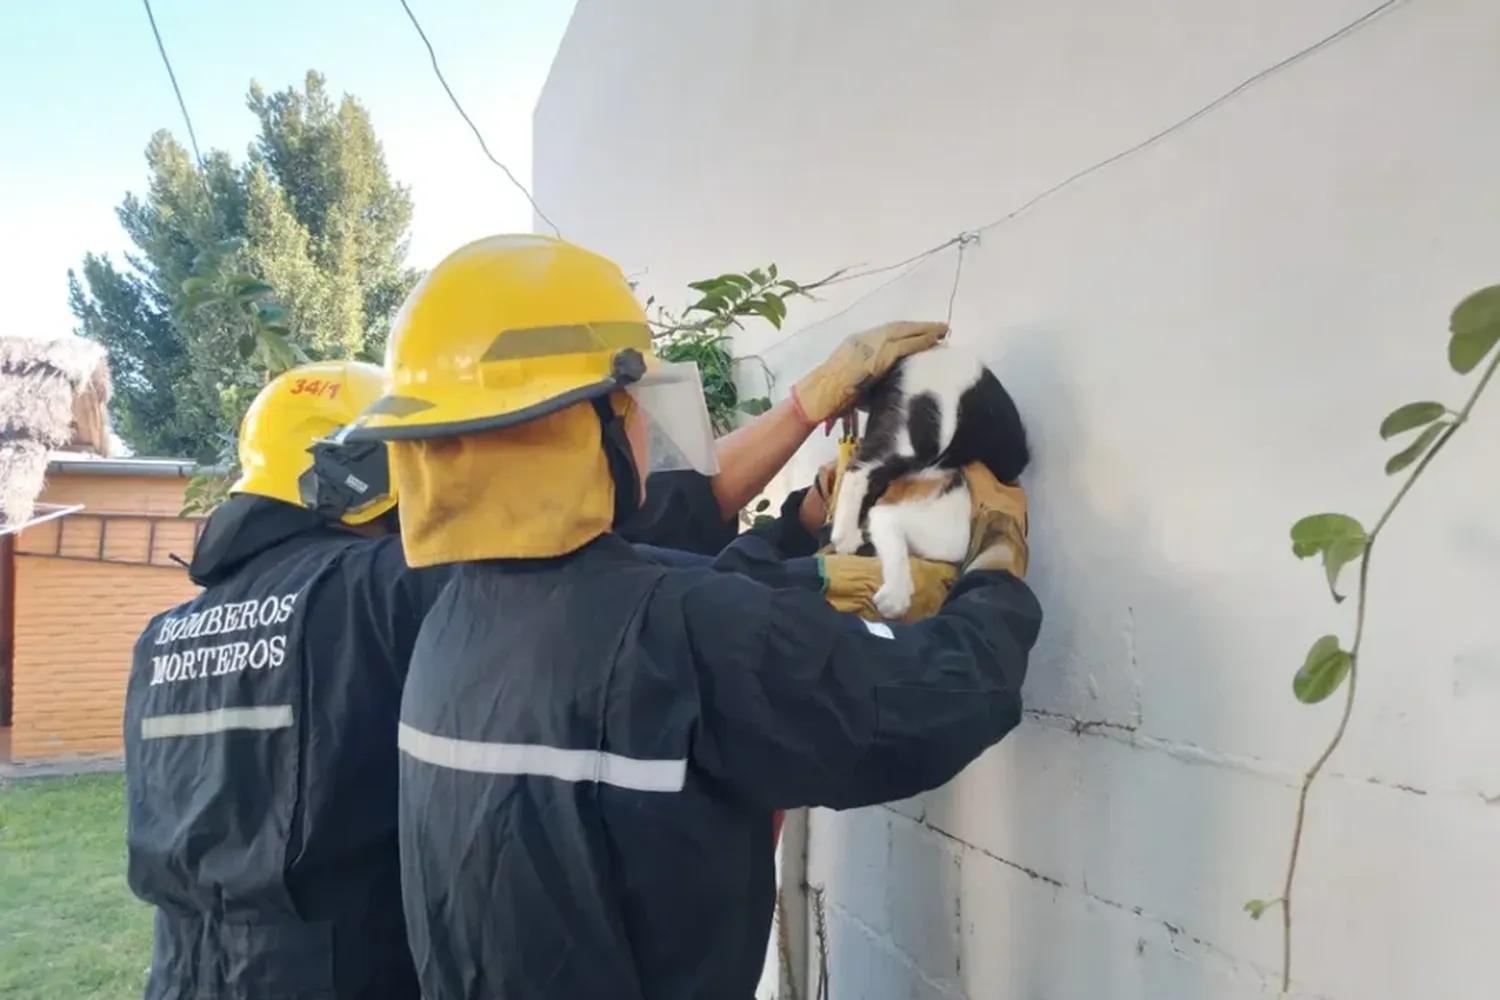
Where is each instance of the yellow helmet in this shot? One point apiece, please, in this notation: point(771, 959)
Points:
point(505, 330)
point(286, 452)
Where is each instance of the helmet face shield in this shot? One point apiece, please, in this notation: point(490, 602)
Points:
point(680, 435)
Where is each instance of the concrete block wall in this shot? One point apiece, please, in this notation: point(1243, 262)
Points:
point(1203, 334)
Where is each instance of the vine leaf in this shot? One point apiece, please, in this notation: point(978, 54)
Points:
point(272, 314)
point(193, 301)
point(1409, 418)
point(770, 308)
point(1325, 668)
point(1416, 449)
point(711, 303)
point(755, 407)
point(745, 284)
point(1475, 326)
point(1256, 908)
point(249, 291)
point(1339, 538)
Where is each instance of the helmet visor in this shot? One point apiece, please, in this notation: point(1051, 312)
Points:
point(680, 434)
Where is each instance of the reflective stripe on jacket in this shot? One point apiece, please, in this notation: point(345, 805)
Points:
point(588, 778)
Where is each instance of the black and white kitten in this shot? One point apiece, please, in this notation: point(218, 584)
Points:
point(903, 493)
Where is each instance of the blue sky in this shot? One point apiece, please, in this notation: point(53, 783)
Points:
point(82, 88)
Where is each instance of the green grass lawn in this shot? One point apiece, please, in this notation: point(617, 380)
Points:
point(69, 927)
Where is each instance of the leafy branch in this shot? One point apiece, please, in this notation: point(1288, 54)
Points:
point(1341, 540)
point(265, 338)
point(262, 339)
point(702, 333)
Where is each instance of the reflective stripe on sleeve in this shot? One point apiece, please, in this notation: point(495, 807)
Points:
point(221, 720)
point(543, 761)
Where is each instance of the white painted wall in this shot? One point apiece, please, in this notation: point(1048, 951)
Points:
point(1203, 336)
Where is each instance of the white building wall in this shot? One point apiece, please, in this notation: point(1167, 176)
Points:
point(1203, 336)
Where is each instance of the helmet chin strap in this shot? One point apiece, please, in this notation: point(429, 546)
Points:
point(622, 468)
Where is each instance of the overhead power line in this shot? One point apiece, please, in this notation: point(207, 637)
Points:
point(475, 128)
point(911, 263)
point(181, 104)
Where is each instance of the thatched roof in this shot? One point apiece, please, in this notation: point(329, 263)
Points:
point(54, 395)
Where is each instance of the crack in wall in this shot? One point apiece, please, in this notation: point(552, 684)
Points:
point(1176, 934)
point(1076, 725)
point(1394, 786)
point(1029, 872)
point(1131, 735)
point(889, 945)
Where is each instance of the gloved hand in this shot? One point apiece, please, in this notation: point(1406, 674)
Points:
point(850, 583)
point(997, 541)
point(829, 389)
point(997, 534)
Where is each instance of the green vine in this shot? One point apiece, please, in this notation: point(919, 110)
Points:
point(1341, 540)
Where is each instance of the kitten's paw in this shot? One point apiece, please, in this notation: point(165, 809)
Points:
point(846, 541)
point(893, 599)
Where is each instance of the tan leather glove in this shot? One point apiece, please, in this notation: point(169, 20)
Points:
point(997, 541)
point(850, 582)
point(829, 389)
point(997, 534)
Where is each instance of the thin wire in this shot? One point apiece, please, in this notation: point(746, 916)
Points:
point(475, 128)
point(181, 104)
point(1211, 106)
point(962, 238)
point(914, 264)
point(958, 273)
point(856, 275)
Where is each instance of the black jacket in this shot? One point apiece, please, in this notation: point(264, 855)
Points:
point(261, 760)
point(258, 724)
point(588, 779)
point(681, 514)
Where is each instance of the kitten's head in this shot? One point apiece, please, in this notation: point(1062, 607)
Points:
point(1009, 453)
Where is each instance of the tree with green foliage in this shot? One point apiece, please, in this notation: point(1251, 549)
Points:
point(188, 318)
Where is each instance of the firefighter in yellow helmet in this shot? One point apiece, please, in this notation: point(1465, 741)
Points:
point(260, 719)
point(285, 455)
point(593, 744)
